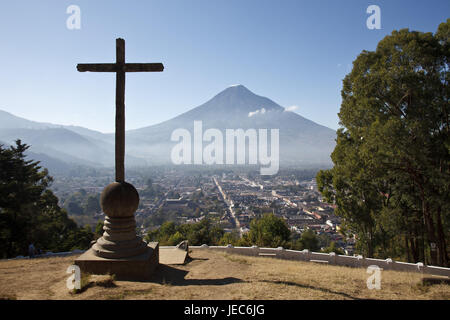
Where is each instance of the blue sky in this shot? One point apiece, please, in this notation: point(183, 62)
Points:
point(293, 52)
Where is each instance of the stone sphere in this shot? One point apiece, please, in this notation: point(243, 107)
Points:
point(119, 199)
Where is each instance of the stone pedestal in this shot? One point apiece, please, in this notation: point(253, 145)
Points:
point(139, 267)
point(119, 251)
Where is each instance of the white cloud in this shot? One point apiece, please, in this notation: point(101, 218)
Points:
point(291, 108)
point(259, 111)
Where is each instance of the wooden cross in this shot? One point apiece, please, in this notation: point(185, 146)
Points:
point(120, 67)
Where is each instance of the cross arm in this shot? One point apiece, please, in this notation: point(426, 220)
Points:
point(144, 67)
point(114, 67)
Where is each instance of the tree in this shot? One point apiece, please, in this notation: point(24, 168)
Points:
point(332, 248)
point(203, 232)
point(269, 231)
point(229, 238)
point(75, 208)
point(99, 229)
point(92, 204)
point(309, 240)
point(350, 185)
point(175, 239)
point(323, 240)
point(29, 211)
point(163, 233)
point(391, 174)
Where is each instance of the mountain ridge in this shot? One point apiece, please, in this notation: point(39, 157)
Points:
point(302, 141)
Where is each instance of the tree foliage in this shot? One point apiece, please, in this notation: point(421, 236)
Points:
point(391, 174)
point(269, 231)
point(29, 211)
point(333, 248)
point(170, 234)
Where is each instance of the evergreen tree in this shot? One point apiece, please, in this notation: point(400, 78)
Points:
point(391, 174)
point(29, 211)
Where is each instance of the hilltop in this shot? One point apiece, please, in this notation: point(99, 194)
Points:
point(216, 275)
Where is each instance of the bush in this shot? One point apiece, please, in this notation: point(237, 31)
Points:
point(269, 231)
point(332, 248)
point(309, 241)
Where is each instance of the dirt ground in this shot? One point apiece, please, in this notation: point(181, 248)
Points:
point(217, 275)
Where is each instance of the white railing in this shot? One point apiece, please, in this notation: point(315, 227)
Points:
point(305, 255)
point(330, 258)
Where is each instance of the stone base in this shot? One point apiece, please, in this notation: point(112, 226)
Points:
point(139, 267)
point(172, 256)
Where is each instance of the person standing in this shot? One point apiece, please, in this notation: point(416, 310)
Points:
point(31, 250)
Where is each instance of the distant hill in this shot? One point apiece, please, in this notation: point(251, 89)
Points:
point(57, 166)
point(302, 141)
point(61, 143)
point(10, 121)
point(60, 147)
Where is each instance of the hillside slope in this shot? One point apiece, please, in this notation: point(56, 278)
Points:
point(216, 275)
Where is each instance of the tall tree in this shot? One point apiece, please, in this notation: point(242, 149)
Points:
point(29, 211)
point(392, 161)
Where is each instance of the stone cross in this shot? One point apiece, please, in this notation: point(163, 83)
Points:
point(120, 251)
point(120, 68)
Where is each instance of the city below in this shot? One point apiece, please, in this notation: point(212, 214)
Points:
point(230, 199)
